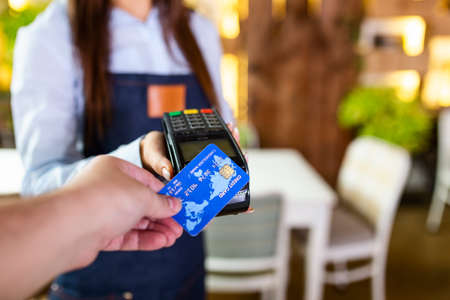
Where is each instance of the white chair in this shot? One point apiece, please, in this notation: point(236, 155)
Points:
point(370, 184)
point(442, 183)
point(249, 253)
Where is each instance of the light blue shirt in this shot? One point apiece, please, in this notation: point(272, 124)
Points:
point(47, 92)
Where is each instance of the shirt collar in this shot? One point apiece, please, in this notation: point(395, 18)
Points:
point(119, 17)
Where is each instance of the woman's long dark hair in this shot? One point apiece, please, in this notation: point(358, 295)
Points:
point(90, 34)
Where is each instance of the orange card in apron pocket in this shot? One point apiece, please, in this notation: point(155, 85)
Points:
point(165, 98)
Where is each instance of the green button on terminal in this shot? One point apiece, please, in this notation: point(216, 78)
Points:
point(175, 113)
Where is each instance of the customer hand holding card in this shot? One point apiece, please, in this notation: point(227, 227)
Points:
point(110, 205)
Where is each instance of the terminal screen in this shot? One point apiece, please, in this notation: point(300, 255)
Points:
point(190, 149)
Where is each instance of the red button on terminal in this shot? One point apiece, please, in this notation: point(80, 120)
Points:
point(206, 111)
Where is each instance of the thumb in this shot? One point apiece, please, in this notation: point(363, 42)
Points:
point(162, 166)
point(155, 155)
point(162, 206)
point(155, 205)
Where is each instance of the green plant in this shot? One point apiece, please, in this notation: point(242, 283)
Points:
point(10, 22)
point(379, 112)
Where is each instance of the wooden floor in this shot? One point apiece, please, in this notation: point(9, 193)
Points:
point(418, 264)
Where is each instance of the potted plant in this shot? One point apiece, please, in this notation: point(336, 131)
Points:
point(379, 112)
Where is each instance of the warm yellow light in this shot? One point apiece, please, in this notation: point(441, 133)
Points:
point(243, 9)
point(5, 77)
point(436, 91)
point(243, 88)
point(18, 5)
point(413, 34)
point(440, 52)
point(230, 24)
point(406, 83)
point(411, 29)
point(279, 8)
point(314, 5)
point(230, 79)
point(192, 4)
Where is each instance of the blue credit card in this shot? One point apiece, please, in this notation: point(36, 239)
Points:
point(205, 186)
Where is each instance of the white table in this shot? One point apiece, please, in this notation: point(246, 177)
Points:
point(11, 172)
point(308, 199)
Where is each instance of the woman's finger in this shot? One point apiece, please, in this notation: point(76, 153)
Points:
point(155, 156)
point(234, 131)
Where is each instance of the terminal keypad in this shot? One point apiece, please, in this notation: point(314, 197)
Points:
point(193, 119)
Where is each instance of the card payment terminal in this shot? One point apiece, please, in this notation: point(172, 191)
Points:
point(188, 132)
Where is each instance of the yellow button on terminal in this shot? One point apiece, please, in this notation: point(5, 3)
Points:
point(190, 111)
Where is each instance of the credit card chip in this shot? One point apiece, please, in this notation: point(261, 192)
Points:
point(226, 171)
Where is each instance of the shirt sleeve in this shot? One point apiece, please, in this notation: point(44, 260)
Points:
point(46, 113)
point(210, 44)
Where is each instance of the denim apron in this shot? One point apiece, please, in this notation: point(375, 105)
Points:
point(175, 273)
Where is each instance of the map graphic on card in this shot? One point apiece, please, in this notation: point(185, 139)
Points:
point(205, 186)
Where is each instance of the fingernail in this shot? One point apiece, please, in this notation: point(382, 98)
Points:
point(173, 203)
point(166, 173)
